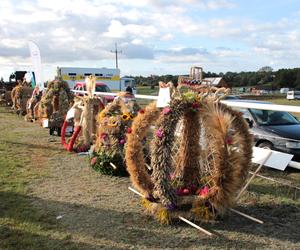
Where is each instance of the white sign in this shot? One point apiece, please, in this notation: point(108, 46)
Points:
point(37, 64)
point(70, 114)
point(163, 97)
point(45, 123)
point(276, 160)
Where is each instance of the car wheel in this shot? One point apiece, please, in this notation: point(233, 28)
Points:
point(266, 145)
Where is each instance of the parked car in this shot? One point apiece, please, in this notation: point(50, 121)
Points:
point(277, 130)
point(232, 97)
point(100, 87)
point(293, 95)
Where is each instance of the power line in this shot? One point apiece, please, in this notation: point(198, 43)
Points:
point(116, 51)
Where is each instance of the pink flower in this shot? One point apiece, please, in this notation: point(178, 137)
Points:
point(159, 133)
point(228, 140)
point(204, 191)
point(182, 191)
point(186, 191)
point(94, 160)
point(103, 136)
point(166, 110)
point(179, 191)
point(122, 141)
point(195, 105)
point(172, 176)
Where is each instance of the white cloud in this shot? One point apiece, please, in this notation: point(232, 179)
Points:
point(69, 31)
point(167, 37)
point(118, 30)
point(137, 41)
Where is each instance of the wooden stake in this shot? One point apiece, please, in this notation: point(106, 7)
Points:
point(180, 217)
point(195, 226)
point(113, 165)
point(149, 167)
point(136, 192)
point(246, 216)
point(254, 174)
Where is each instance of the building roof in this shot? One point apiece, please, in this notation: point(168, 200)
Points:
point(215, 81)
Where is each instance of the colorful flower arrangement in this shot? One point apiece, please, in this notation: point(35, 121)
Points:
point(198, 180)
point(114, 124)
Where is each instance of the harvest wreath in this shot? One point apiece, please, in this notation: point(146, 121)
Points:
point(82, 116)
point(203, 178)
point(107, 155)
point(20, 95)
point(54, 105)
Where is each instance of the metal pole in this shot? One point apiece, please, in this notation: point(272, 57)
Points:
point(116, 55)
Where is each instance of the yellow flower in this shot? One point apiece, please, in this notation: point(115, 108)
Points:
point(102, 114)
point(112, 122)
point(126, 116)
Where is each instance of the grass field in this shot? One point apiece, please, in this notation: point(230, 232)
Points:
point(51, 199)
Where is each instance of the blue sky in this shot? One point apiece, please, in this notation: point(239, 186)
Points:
point(156, 37)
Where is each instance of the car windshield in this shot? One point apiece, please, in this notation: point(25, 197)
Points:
point(102, 88)
point(271, 117)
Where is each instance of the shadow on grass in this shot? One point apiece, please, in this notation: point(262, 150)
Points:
point(281, 222)
point(19, 239)
point(33, 146)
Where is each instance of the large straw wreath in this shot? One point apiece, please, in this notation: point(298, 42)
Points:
point(56, 99)
point(20, 95)
point(203, 177)
point(114, 123)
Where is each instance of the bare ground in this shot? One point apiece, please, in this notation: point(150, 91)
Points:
point(81, 209)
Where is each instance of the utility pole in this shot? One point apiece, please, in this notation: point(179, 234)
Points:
point(116, 51)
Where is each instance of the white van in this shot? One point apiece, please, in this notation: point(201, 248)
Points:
point(111, 77)
point(293, 95)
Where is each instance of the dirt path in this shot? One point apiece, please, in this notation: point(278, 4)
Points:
point(81, 209)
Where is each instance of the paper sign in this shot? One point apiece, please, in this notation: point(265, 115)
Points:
point(163, 97)
point(45, 123)
point(277, 160)
point(70, 114)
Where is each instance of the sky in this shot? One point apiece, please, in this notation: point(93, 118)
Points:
point(154, 37)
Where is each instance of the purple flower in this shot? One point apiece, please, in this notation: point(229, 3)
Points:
point(171, 207)
point(150, 198)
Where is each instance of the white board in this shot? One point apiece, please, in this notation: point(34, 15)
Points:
point(70, 114)
point(45, 123)
point(277, 160)
point(163, 97)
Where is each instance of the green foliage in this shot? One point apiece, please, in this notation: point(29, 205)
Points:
point(289, 78)
point(101, 162)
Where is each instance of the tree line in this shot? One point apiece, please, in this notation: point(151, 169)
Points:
point(265, 77)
